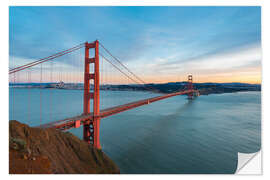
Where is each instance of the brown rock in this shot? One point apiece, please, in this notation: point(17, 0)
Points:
point(25, 156)
point(56, 152)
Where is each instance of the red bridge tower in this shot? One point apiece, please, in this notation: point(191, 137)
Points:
point(91, 128)
point(190, 87)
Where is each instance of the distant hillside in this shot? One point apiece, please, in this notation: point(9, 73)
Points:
point(204, 88)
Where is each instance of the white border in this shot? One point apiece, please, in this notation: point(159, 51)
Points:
point(136, 2)
point(265, 77)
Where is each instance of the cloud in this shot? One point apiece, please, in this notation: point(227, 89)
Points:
point(245, 60)
point(151, 41)
point(236, 58)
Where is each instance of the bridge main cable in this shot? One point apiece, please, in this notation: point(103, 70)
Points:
point(20, 68)
point(138, 78)
point(118, 68)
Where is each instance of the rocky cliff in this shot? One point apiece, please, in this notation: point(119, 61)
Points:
point(40, 151)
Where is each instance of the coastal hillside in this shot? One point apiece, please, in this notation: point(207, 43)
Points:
point(203, 88)
point(46, 151)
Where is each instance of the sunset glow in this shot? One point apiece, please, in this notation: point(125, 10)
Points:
point(159, 44)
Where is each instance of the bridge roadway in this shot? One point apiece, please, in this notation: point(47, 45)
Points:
point(77, 121)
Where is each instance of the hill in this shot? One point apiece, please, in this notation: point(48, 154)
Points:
point(43, 151)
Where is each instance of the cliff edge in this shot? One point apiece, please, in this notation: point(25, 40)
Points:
point(46, 151)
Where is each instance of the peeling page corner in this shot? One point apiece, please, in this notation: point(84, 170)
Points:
point(249, 163)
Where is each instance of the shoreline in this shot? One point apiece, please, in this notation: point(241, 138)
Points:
point(202, 92)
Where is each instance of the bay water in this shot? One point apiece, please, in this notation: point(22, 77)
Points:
point(174, 135)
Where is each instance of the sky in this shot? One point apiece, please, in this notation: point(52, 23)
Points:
point(159, 44)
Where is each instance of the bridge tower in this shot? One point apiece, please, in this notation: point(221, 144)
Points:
point(190, 87)
point(91, 128)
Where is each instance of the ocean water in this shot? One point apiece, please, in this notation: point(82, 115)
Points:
point(169, 136)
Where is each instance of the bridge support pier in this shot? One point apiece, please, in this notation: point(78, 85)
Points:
point(91, 128)
point(96, 133)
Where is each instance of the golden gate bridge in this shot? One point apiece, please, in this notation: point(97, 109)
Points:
point(95, 75)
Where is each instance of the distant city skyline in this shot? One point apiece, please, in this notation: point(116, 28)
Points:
point(160, 44)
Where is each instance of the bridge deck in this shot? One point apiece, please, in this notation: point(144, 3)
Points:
point(76, 121)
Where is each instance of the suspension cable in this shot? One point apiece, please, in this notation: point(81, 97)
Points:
point(138, 78)
point(46, 59)
point(122, 64)
point(124, 72)
point(40, 96)
point(118, 68)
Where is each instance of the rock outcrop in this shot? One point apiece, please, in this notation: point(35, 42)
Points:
point(40, 151)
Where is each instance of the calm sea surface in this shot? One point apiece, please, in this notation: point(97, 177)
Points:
point(169, 136)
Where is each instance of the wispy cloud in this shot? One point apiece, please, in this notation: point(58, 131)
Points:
point(161, 42)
